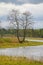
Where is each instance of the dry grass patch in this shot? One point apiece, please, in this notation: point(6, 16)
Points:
point(11, 42)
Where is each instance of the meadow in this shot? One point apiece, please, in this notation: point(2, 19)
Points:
point(11, 42)
point(5, 60)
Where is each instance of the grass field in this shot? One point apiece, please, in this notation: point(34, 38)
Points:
point(13, 42)
point(5, 60)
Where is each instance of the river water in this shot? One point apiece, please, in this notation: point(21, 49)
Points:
point(34, 40)
point(31, 52)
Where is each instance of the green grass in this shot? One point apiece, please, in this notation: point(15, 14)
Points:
point(13, 42)
point(5, 60)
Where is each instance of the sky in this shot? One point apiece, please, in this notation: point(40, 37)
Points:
point(34, 6)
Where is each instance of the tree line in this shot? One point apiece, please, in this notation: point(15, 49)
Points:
point(29, 32)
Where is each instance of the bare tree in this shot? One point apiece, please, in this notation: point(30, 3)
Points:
point(26, 22)
point(20, 21)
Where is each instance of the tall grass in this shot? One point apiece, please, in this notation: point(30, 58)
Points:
point(11, 42)
point(5, 60)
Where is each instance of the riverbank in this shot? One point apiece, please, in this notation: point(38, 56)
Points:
point(6, 60)
point(13, 42)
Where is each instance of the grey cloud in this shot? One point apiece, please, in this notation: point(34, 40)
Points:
point(31, 1)
point(35, 1)
point(23, 1)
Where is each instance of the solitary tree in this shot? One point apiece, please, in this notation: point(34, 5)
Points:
point(20, 21)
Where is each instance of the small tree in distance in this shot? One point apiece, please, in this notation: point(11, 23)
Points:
point(20, 21)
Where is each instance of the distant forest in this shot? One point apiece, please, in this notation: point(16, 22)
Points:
point(29, 32)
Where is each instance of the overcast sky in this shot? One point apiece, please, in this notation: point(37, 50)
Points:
point(34, 6)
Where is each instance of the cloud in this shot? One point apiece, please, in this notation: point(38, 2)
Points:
point(4, 8)
point(31, 1)
point(4, 24)
point(38, 25)
point(22, 1)
point(36, 10)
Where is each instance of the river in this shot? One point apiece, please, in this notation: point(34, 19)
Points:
point(31, 52)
